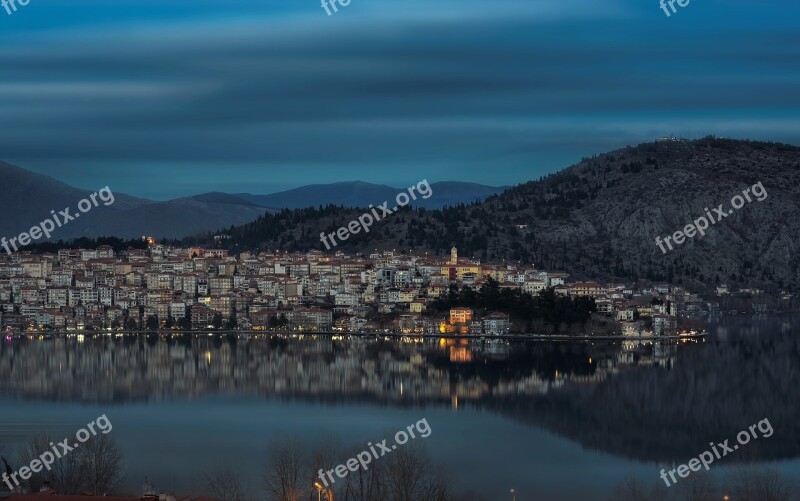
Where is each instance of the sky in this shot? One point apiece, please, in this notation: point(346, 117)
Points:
point(168, 98)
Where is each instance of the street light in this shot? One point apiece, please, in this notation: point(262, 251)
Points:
point(513, 495)
point(321, 489)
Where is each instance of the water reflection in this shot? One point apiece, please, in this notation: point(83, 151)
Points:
point(116, 370)
point(645, 401)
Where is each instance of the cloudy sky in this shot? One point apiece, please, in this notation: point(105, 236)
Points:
point(174, 97)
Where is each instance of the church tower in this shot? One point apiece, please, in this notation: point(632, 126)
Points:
point(454, 256)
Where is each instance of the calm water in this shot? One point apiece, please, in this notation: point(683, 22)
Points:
point(555, 421)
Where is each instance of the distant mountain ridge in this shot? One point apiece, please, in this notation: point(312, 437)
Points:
point(28, 198)
point(361, 194)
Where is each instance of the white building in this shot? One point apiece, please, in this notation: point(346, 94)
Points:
point(496, 324)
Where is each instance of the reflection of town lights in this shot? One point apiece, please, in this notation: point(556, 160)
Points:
point(208, 357)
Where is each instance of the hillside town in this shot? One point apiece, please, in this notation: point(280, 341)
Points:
point(161, 287)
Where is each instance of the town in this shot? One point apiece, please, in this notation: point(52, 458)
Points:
point(168, 288)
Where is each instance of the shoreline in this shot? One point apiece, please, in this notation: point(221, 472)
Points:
point(394, 335)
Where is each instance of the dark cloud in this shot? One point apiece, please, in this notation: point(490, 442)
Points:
point(193, 96)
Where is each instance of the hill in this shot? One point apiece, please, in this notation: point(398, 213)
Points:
point(600, 218)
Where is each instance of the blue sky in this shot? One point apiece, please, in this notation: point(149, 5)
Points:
point(174, 97)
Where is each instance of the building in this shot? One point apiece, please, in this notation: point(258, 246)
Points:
point(460, 316)
point(662, 324)
point(202, 316)
point(496, 324)
point(310, 319)
point(590, 289)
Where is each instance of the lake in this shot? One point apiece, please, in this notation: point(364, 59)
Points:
point(552, 420)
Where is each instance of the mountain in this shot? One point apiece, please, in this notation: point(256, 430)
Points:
point(28, 198)
point(361, 194)
point(172, 219)
point(600, 218)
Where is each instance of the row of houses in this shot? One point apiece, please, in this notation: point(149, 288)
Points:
point(77, 289)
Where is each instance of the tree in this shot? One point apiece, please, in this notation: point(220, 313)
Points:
point(410, 476)
point(633, 490)
point(102, 465)
point(365, 485)
point(275, 322)
point(130, 324)
point(31, 451)
point(152, 323)
point(750, 482)
point(286, 475)
point(224, 485)
point(698, 487)
point(216, 322)
point(66, 473)
point(747, 482)
point(185, 324)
